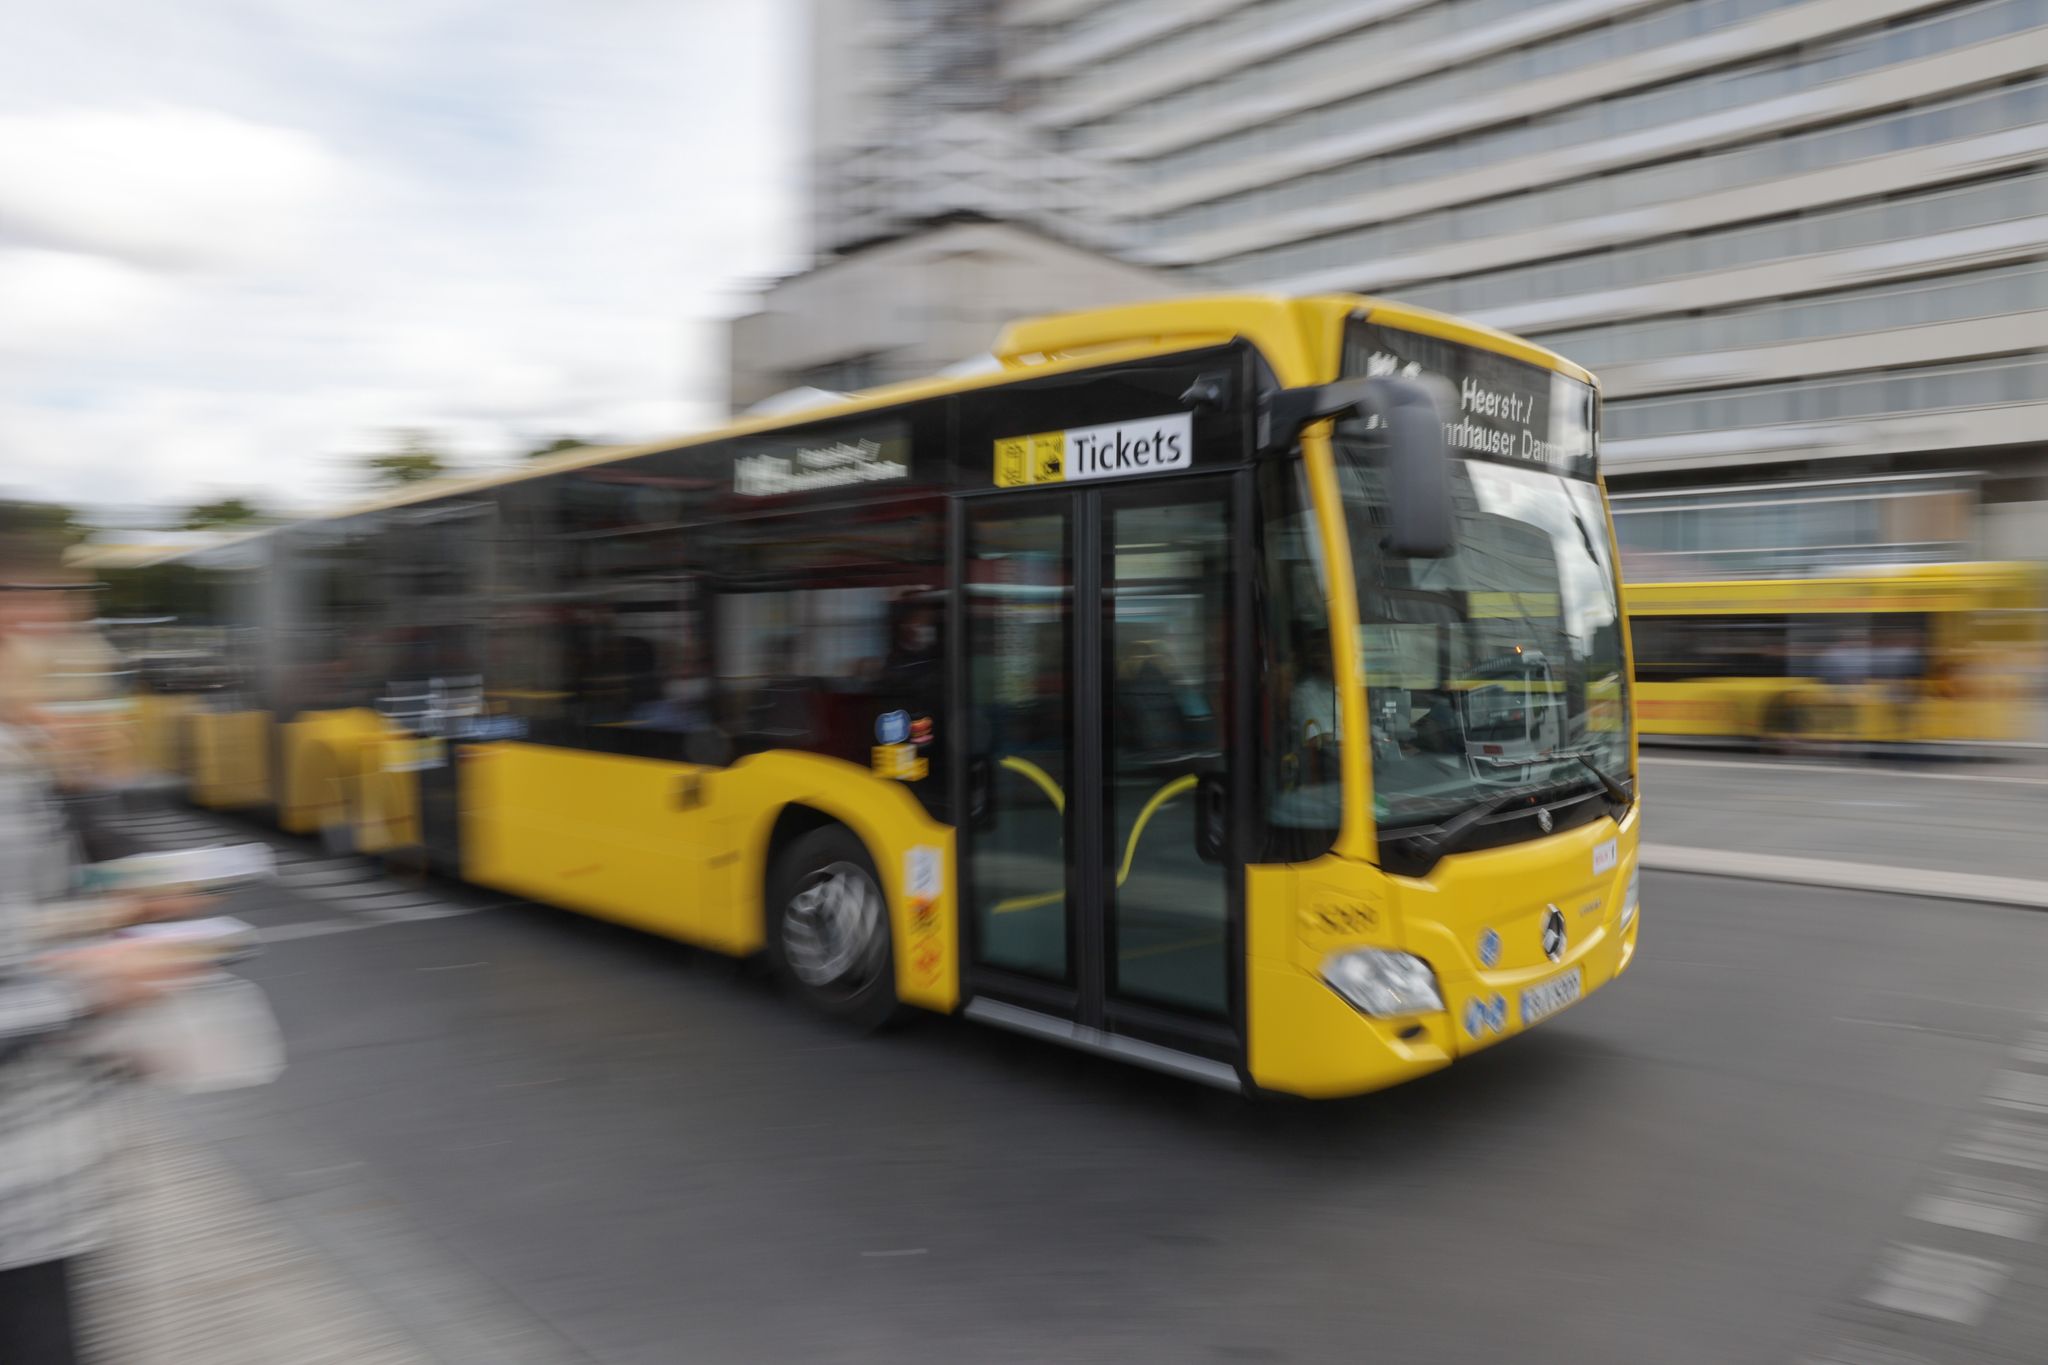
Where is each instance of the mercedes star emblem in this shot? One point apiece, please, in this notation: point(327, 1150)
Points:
point(1553, 934)
point(1543, 820)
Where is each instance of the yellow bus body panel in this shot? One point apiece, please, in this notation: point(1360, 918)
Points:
point(161, 721)
point(1724, 706)
point(1299, 337)
point(1985, 626)
point(1306, 1040)
point(325, 756)
point(230, 758)
point(681, 850)
point(387, 796)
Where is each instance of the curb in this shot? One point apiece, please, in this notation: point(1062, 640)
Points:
point(1897, 881)
point(1962, 750)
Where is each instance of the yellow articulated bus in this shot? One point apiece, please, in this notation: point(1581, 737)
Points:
point(1237, 686)
point(1935, 653)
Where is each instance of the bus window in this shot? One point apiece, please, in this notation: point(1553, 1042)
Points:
point(828, 622)
point(623, 669)
point(1675, 648)
point(1299, 780)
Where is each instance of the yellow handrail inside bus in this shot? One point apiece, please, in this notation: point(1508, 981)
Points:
point(1040, 776)
point(1059, 800)
point(1159, 798)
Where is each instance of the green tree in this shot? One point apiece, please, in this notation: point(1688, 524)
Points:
point(44, 520)
point(412, 459)
point(556, 447)
point(230, 511)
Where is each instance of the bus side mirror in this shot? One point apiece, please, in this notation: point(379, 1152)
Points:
point(1411, 411)
point(1420, 524)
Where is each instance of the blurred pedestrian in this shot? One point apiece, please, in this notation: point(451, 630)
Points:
point(64, 687)
point(57, 984)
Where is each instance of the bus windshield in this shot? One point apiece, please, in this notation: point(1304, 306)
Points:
point(1501, 664)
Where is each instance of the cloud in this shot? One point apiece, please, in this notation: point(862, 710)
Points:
point(240, 247)
point(58, 301)
point(163, 187)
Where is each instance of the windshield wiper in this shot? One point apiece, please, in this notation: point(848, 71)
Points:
point(1616, 792)
point(1452, 833)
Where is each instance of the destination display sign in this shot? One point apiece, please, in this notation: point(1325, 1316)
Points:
point(771, 466)
point(1505, 409)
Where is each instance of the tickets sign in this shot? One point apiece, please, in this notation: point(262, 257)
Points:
point(1115, 450)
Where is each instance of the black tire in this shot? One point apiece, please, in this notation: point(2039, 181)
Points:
point(834, 952)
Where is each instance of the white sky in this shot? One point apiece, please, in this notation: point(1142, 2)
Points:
point(242, 240)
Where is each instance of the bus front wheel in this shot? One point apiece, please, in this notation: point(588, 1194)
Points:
point(828, 927)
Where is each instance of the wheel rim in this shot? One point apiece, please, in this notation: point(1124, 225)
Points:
point(832, 929)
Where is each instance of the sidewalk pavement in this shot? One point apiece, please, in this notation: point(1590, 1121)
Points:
point(1922, 828)
point(199, 1272)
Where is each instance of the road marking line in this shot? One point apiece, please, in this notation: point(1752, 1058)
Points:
point(1857, 1353)
point(378, 896)
point(2020, 1090)
point(1890, 1023)
point(284, 933)
point(1842, 876)
point(2006, 1142)
point(405, 915)
point(306, 879)
point(1936, 1284)
point(2002, 779)
point(350, 891)
point(1987, 1206)
point(312, 864)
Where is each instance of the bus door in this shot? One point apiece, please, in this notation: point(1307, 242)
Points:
point(1100, 886)
point(433, 689)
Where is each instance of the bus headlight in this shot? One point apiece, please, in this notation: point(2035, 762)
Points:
point(1633, 897)
point(1383, 984)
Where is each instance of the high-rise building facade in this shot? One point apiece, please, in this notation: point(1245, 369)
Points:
point(911, 122)
point(937, 212)
point(1807, 238)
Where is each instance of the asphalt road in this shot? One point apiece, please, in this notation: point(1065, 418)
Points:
point(537, 1138)
point(1947, 816)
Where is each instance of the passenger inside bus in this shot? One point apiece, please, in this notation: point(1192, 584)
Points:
point(1152, 717)
point(682, 706)
point(1314, 730)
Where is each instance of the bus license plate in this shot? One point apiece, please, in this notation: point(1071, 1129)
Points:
point(1542, 1001)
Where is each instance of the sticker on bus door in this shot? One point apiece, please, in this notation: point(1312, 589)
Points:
point(1112, 451)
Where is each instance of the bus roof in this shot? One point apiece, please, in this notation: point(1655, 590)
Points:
point(1299, 337)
